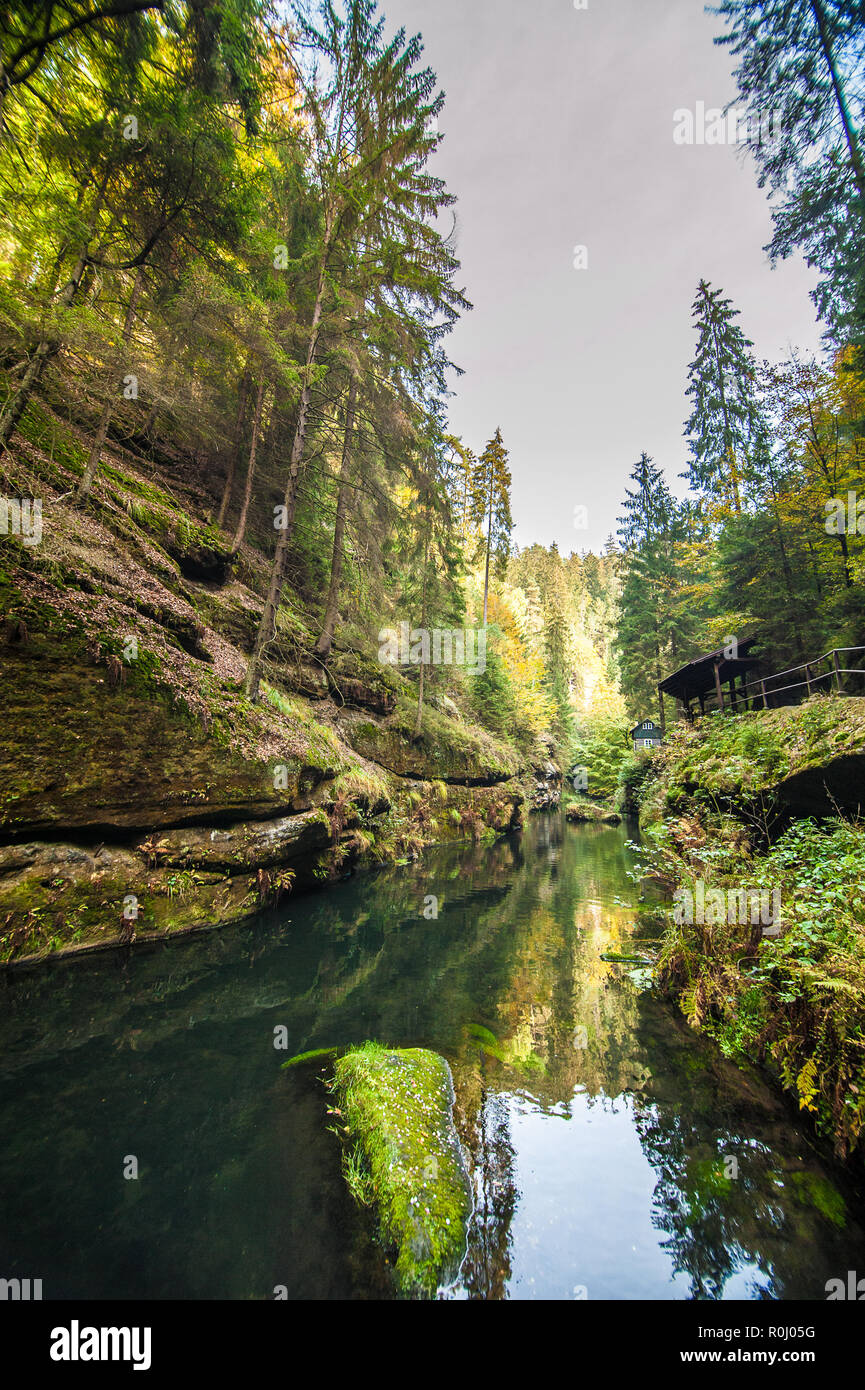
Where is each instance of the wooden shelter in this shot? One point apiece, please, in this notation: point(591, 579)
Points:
point(705, 677)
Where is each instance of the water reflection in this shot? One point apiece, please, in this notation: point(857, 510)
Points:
point(614, 1152)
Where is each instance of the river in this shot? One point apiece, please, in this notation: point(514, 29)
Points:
point(616, 1154)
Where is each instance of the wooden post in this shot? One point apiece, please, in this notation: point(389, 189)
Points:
point(763, 692)
point(838, 680)
point(808, 676)
point(718, 691)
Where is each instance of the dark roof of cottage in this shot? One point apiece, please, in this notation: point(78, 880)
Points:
point(698, 676)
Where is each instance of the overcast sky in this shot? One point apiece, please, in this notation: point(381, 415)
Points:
point(558, 132)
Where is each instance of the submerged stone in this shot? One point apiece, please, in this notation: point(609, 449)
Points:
point(405, 1158)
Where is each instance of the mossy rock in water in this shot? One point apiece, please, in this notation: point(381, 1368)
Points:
point(580, 812)
point(406, 1159)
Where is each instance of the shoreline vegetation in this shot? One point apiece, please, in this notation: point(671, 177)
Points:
point(769, 802)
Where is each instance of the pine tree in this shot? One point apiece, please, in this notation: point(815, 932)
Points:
point(724, 420)
point(371, 142)
point(558, 663)
point(491, 506)
point(654, 626)
point(134, 200)
point(460, 481)
point(801, 79)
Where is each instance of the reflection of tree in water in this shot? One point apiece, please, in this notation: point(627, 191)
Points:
point(715, 1224)
point(782, 1217)
point(487, 1266)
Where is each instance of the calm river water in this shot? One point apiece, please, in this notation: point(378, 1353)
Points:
point(616, 1154)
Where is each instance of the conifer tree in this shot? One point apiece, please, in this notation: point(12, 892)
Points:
point(653, 626)
point(460, 478)
point(801, 79)
point(491, 506)
point(724, 420)
point(371, 142)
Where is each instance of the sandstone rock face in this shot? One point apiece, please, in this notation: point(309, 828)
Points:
point(144, 797)
point(78, 754)
point(430, 758)
point(546, 793)
point(244, 845)
point(352, 691)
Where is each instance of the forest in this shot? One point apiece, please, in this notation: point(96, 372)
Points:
point(224, 252)
point(264, 620)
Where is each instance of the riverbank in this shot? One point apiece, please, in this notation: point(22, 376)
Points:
point(142, 794)
point(755, 821)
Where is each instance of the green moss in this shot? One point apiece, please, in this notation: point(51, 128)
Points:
point(308, 1056)
point(706, 1183)
point(362, 787)
point(447, 749)
point(38, 426)
point(815, 1191)
point(741, 757)
point(405, 1158)
point(321, 749)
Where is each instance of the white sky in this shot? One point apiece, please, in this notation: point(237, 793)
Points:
point(559, 131)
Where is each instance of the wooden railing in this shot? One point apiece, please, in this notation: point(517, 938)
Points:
point(840, 675)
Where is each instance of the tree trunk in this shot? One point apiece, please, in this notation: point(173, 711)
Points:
point(49, 347)
point(728, 434)
point(840, 99)
point(419, 719)
point(240, 532)
point(33, 375)
point(267, 626)
point(489, 545)
point(235, 451)
point(108, 409)
point(325, 641)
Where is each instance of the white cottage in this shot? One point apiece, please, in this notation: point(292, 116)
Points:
point(647, 735)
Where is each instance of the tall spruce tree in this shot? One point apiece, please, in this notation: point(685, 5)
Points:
point(491, 507)
point(725, 419)
point(371, 140)
point(653, 625)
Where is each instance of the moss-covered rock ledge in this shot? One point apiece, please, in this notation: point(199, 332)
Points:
point(404, 1158)
point(804, 760)
point(591, 812)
